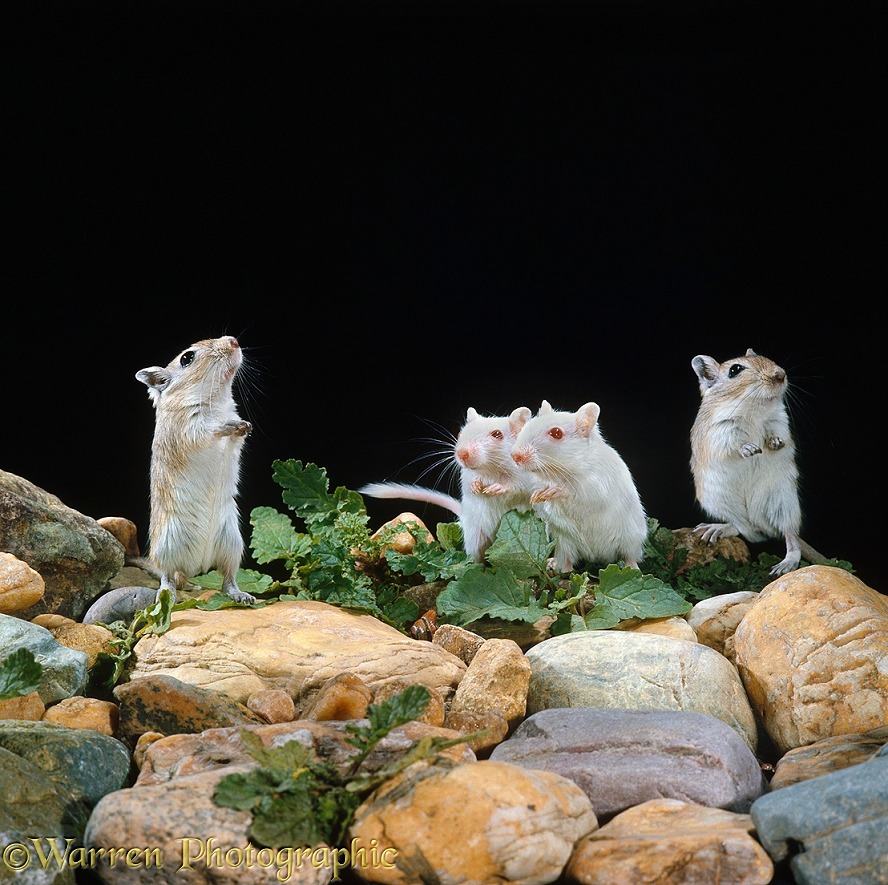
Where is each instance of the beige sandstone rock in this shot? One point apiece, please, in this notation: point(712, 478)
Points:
point(28, 706)
point(715, 619)
point(670, 841)
point(676, 627)
point(91, 639)
point(490, 728)
point(344, 696)
point(296, 646)
point(434, 712)
point(497, 680)
point(813, 655)
point(458, 641)
point(475, 823)
point(20, 586)
point(828, 755)
point(125, 530)
point(403, 541)
point(273, 705)
point(81, 712)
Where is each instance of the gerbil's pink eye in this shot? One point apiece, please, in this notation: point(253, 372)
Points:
point(187, 358)
point(496, 434)
point(556, 432)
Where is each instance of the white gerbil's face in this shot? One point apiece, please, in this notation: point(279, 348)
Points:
point(543, 442)
point(484, 442)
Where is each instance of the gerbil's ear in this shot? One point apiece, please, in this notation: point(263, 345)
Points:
point(518, 419)
point(471, 414)
point(750, 352)
point(156, 378)
point(545, 408)
point(706, 369)
point(587, 417)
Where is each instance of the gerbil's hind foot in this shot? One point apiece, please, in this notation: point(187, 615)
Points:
point(238, 595)
point(789, 564)
point(712, 531)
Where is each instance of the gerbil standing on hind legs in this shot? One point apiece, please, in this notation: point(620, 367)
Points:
point(743, 456)
point(195, 465)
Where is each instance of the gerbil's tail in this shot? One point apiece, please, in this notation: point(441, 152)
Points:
point(411, 493)
point(809, 553)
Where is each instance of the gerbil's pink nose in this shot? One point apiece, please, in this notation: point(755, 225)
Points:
point(463, 454)
point(779, 376)
point(520, 456)
point(233, 341)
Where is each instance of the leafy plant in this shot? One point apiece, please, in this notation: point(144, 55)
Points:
point(20, 674)
point(296, 799)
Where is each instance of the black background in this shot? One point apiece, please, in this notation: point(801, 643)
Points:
point(405, 210)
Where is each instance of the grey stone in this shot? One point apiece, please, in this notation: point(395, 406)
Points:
point(86, 763)
point(74, 555)
point(621, 758)
point(64, 669)
point(839, 821)
point(119, 605)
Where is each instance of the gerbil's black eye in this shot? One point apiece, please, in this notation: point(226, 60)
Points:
point(556, 432)
point(187, 358)
point(496, 434)
point(735, 370)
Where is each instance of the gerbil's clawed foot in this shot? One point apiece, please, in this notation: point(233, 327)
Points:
point(789, 564)
point(775, 443)
point(711, 532)
point(239, 595)
point(556, 568)
point(749, 450)
point(235, 428)
point(546, 493)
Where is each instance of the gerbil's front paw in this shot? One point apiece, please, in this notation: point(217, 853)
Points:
point(775, 443)
point(749, 450)
point(235, 428)
point(546, 493)
point(496, 488)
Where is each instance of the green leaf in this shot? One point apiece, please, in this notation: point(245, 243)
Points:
point(522, 545)
point(248, 580)
point(449, 535)
point(20, 674)
point(306, 492)
point(274, 537)
point(625, 593)
point(479, 593)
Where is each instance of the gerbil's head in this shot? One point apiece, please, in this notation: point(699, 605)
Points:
point(750, 375)
point(197, 375)
point(550, 439)
point(485, 443)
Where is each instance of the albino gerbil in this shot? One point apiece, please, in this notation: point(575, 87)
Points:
point(584, 491)
point(743, 455)
point(490, 481)
point(195, 465)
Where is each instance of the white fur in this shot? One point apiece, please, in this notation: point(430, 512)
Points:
point(584, 491)
point(490, 482)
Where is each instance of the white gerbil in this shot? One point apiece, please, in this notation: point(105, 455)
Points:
point(743, 455)
point(195, 465)
point(490, 481)
point(584, 491)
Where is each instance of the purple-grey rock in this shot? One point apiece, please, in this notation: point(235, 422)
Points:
point(622, 758)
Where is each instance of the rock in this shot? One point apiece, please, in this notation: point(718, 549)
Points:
point(296, 646)
point(479, 822)
point(715, 619)
point(701, 552)
point(497, 680)
point(87, 764)
point(812, 653)
point(670, 841)
point(28, 706)
point(124, 530)
point(120, 604)
point(402, 541)
point(74, 555)
point(20, 586)
point(89, 713)
point(434, 712)
point(33, 803)
point(458, 641)
point(621, 758)
point(182, 835)
point(134, 576)
point(676, 627)
point(344, 696)
point(830, 754)
point(618, 670)
point(491, 728)
point(170, 706)
point(64, 670)
point(91, 639)
point(272, 705)
point(837, 822)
